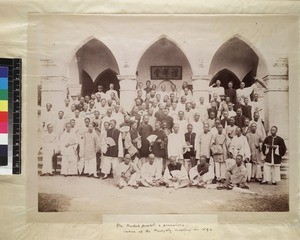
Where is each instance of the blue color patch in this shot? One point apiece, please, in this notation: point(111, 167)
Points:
point(3, 72)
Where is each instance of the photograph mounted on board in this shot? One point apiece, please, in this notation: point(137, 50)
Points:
point(143, 114)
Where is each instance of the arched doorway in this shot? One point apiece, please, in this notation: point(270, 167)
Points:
point(105, 78)
point(165, 53)
point(226, 76)
point(96, 65)
point(237, 60)
point(237, 57)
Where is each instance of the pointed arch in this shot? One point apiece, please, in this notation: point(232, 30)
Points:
point(94, 57)
point(163, 52)
point(226, 76)
point(105, 78)
point(240, 57)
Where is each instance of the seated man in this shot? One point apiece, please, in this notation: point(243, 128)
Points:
point(202, 173)
point(150, 173)
point(236, 174)
point(175, 175)
point(127, 173)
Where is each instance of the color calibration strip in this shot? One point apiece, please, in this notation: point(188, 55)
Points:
point(10, 115)
point(4, 116)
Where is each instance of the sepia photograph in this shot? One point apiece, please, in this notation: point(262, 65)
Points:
point(161, 114)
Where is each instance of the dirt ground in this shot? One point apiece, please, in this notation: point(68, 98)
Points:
point(72, 194)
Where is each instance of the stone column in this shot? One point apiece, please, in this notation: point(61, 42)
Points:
point(127, 91)
point(200, 87)
point(277, 98)
point(54, 91)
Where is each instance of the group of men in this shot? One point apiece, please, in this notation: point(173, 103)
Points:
point(168, 138)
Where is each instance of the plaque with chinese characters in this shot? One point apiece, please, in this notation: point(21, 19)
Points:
point(166, 72)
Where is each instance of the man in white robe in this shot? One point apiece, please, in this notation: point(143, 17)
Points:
point(203, 141)
point(176, 143)
point(197, 124)
point(182, 123)
point(127, 173)
point(150, 173)
point(49, 148)
point(90, 148)
point(240, 146)
point(68, 144)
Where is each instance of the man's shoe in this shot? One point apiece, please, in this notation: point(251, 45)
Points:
point(245, 187)
point(105, 176)
point(264, 183)
point(274, 183)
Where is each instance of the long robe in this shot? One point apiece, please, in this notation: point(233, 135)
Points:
point(49, 148)
point(90, 149)
point(260, 128)
point(221, 140)
point(145, 131)
point(239, 146)
point(203, 145)
point(274, 156)
point(175, 171)
point(150, 173)
point(133, 147)
point(131, 172)
point(69, 154)
point(175, 145)
point(254, 141)
point(159, 148)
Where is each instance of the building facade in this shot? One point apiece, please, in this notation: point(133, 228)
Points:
point(75, 57)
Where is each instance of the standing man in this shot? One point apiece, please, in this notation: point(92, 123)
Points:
point(49, 148)
point(219, 152)
point(274, 149)
point(111, 90)
point(145, 130)
point(254, 141)
point(231, 92)
point(176, 143)
point(247, 109)
point(239, 146)
point(159, 146)
point(239, 118)
point(68, 145)
point(113, 152)
point(90, 149)
point(203, 143)
point(190, 154)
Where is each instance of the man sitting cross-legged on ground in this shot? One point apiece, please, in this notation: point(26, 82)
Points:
point(127, 173)
point(175, 174)
point(201, 173)
point(150, 173)
point(236, 175)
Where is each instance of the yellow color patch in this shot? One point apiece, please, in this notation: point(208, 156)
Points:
point(3, 106)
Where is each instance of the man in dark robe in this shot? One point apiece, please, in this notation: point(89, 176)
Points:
point(145, 130)
point(231, 93)
point(189, 155)
point(274, 149)
point(159, 145)
point(239, 118)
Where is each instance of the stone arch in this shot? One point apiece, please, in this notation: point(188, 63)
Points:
point(241, 58)
point(227, 76)
point(90, 58)
point(105, 78)
point(163, 52)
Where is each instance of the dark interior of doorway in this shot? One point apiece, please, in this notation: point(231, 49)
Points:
point(105, 78)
